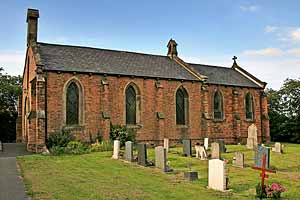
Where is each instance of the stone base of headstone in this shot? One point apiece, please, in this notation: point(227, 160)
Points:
point(191, 176)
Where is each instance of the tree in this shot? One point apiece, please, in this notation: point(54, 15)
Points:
point(284, 112)
point(10, 90)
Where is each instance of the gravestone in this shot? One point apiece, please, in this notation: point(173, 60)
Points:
point(215, 150)
point(191, 176)
point(258, 157)
point(166, 144)
point(217, 178)
point(277, 148)
point(161, 158)
point(222, 145)
point(200, 152)
point(116, 149)
point(239, 160)
point(129, 151)
point(187, 147)
point(252, 134)
point(142, 154)
point(206, 143)
point(1, 146)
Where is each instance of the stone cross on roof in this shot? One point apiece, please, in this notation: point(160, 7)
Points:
point(234, 59)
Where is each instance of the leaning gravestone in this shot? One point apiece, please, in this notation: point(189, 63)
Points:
point(239, 160)
point(222, 145)
point(215, 150)
point(260, 151)
point(116, 149)
point(166, 144)
point(252, 137)
point(206, 143)
point(129, 151)
point(142, 154)
point(217, 178)
point(187, 147)
point(161, 158)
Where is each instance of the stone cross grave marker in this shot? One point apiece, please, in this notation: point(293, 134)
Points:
point(142, 154)
point(116, 149)
point(161, 158)
point(206, 143)
point(252, 134)
point(222, 145)
point(215, 150)
point(217, 179)
point(166, 144)
point(129, 151)
point(239, 160)
point(263, 170)
point(277, 148)
point(260, 151)
point(200, 152)
point(187, 147)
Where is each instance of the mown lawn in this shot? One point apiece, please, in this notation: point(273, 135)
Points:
point(97, 176)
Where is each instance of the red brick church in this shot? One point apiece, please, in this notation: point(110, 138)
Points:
point(84, 90)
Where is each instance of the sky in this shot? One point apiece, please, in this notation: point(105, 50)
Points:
point(263, 34)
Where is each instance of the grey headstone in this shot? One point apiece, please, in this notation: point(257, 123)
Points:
point(187, 147)
point(161, 158)
point(191, 176)
point(1, 146)
point(260, 151)
point(142, 154)
point(222, 145)
point(215, 150)
point(239, 160)
point(129, 151)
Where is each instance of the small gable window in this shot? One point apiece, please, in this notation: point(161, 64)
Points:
point(130, 105)
point(249, 105)
point(218, 106)
point(181, 106)
point(72, 104)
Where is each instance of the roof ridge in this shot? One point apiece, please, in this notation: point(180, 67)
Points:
point(96, 48)
point(206, 65)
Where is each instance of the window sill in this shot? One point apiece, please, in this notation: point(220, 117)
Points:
point(182, 126)
point(219, 120)
point(73, 127)
point(250, 120)
point(134, 126)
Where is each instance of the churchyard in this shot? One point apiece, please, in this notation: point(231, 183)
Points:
point(106, 175)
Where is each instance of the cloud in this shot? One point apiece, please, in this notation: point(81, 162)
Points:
point(270, 29)
point(295, 34)
point(295, 51)
point(264, 52)
point(12, 62)
point(249, 8)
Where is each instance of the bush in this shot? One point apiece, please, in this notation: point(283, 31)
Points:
point(103, 146)
point(260, 192)
point(121, 133)
point(75, 147)
point(57, 150)
point(60, 139)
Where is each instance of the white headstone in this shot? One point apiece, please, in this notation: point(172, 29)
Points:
point(161, 158)
point(116, 149)
point(217, 175)
point(277, 148)
point(166, 144)
point(206, 143)
point(200, 152)
point(252, 134)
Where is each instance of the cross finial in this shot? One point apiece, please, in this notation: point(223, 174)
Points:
point(234, 58)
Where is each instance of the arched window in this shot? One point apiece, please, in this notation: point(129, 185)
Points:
point(72, 104)
point(130, 105)
point(218, 106)
point(249, 105)
point(181, 106)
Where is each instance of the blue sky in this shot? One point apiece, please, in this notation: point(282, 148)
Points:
point(264, 35)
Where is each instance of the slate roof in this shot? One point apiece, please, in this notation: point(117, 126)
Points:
point(85, 59)
point(223, 76)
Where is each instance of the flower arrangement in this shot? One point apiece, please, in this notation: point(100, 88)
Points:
point(274, 190)
point(271, 191)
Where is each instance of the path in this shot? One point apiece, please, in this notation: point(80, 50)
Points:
point(11, 184)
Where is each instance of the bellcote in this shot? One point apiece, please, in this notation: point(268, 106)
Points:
point(172, 48)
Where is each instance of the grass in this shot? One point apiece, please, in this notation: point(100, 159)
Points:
point(97, 176)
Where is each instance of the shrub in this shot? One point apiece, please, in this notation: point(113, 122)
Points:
point(261, 192)
point(57, 150)
point(103, 146)
point(121, 133)
point(75, 147)
point(60, 139)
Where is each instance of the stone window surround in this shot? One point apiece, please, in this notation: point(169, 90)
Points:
point(222, 102)
point(253, 107)
point(138, 105)
point(186, 107)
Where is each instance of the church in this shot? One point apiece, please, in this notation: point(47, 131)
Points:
point(84, 90)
